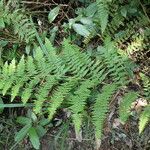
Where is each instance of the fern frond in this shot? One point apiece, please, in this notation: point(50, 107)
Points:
point(30, 67)
point(131, 29)
point(78, 102)
point(59, 95)
point(54, 60)
point(43, 92)
point(125, 105)
point(19, 21)
point(40, 61)
point(144, 118)
point(103, 13)
point(6, 71)
point(19, 79)
point(20, 67)
point(88, 38)
point(116, 22)
point(22, 26)
point(29, 88)
point(115, 63)
point(146, 86)
point(76, 60)
point(8, 75)
point(135, 45)
point(100, 108)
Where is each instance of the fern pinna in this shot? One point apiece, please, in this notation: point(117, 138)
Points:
point(70, 76)
point(17, 20)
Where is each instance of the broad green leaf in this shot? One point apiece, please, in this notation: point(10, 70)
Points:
point(34, 138)
point(1, 102)
point(22, 133)
point(81, 29)
point(40, 130)
point(53, 14)
point(23, 120)
point(86, 20)
point(33, 116)
point(2, 24)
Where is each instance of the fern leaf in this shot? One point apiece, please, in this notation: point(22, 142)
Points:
point(7, 85)
point(78, 102)
point(76, 60)
point(30, 66)
point(22, 26)
point(29, 88)
point(43, 93)
point(59, 95)
point(8, 74)
point(12, 67)
point(21, 67)
point(146, 86)
point(115, 63)
point(144, 118)
point(102, 7)
point(54, 60)
point(125, 105)
point(20, 78)
point(100, 108)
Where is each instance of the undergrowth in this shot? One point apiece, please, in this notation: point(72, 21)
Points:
point(103, 52)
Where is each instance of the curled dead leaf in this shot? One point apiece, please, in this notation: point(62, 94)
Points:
point(139, 103)
point(117, 122)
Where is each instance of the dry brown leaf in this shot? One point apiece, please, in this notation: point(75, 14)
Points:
point(116, 123)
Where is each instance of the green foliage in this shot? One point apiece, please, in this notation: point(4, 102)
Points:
point(33, 128)
point(53, 14)
point(80, 96)
point(144, 118)
point(146, 86)
point(115, 62)
point(18, 21)
point(145, 114)
point(71, 75)
point(100, 108)
point(74, 78)
point(125, 105)
point(102, 8)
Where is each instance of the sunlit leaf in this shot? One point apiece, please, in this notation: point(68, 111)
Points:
point(53, 14)
point(81, 29)
point(23, 120)
point(22, 133)
point(34, 138)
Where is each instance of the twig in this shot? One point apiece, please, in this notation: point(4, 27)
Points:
point(45, 4)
